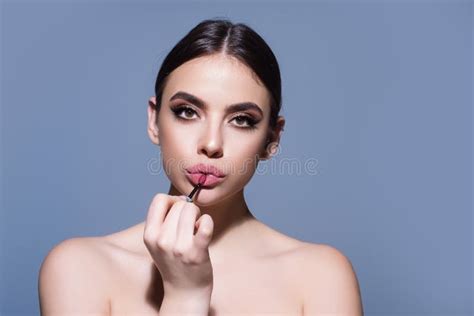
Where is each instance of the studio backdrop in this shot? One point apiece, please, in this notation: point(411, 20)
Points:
point(375, 159)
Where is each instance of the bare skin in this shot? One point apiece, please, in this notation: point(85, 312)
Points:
point(262, 276)
point(257, 270)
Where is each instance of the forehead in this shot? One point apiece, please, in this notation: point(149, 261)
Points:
point(218, 80)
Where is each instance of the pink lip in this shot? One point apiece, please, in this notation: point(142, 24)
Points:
point(206, 169)
point(211, 180)
point(212, 174)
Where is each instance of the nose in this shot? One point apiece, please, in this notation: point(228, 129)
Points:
point(211, 143)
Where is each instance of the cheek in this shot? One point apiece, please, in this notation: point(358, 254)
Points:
point(176, 148)
point(243, 155)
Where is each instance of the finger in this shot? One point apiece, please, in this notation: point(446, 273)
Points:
point(169, 228)
point(204, 231)
point(157, 211)
point(187, 221)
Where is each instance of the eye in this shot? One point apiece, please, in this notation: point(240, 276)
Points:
point(186, 110)
point(186, 113)
point(248, 122)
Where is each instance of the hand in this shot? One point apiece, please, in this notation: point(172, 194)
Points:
point(181, 256)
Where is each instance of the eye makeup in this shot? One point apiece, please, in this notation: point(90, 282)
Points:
point(179, 109)
point(251, 122)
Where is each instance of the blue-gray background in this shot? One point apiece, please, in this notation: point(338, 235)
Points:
point(378, 93)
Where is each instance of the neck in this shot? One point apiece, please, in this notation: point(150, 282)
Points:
point(229, 216)
point(236, 230)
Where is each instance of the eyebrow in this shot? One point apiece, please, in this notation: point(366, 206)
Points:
point(236, 107)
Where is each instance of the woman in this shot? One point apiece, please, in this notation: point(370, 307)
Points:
point(215, 115)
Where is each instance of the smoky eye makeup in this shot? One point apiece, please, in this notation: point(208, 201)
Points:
point(186, 113)
point(249, 121)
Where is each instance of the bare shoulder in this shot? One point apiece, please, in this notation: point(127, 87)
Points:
point(324, 256)
point(83, 250)
point(73, 278)
point(329, 281)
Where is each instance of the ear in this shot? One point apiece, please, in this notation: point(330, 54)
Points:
point(152, 121)
point(273, 139)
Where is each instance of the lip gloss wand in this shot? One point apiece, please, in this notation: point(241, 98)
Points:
point(201, 181)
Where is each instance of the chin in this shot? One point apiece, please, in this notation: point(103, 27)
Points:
point(205, 196)
point(208, 196)
point(211, 195)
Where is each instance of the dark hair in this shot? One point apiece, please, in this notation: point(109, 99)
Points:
point(236, 40)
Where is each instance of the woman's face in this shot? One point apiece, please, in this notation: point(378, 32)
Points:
point(213, 112)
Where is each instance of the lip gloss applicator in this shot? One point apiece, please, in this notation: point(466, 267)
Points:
point(201, 181)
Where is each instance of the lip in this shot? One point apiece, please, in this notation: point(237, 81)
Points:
point(211, 180)
point(213, 174)
point(206, 169)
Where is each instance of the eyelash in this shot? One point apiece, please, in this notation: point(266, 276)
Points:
point(250, 121)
